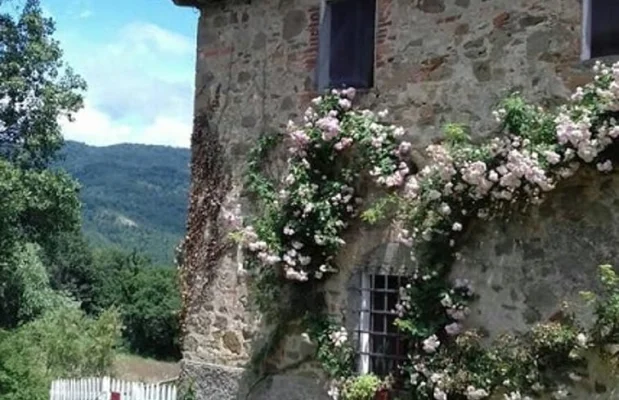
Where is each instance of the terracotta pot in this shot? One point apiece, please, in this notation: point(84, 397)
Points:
point(382, 394)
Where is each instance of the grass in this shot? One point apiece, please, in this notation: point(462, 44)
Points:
point(134, 368)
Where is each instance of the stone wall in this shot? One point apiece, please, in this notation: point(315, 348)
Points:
point(436, 61)
point(526, 268)
point(523, 269)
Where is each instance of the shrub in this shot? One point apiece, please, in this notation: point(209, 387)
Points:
point(363, 387)
point(64, 343)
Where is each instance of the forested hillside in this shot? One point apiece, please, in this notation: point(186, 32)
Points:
point(134, 196)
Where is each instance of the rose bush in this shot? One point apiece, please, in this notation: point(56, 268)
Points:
point(303, 217)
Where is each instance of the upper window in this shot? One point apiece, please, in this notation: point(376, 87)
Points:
point(381, 348)
point(347, 44)
point(600, 28)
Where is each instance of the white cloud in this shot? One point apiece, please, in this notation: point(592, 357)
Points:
point(98, 129)
point(85, 14)
point(146, 34)
point(168, 131)
point(95, 127)
point(140, 88)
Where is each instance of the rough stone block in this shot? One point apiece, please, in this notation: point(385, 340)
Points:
point(212, 382)
point(287, 387)
point(217, 382)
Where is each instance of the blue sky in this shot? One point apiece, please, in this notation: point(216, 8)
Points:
point(138, 57)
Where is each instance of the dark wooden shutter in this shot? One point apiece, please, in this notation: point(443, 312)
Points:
point(604, 28)
point(351, 58)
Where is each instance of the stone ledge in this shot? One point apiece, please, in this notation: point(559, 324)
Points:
point(218, 382)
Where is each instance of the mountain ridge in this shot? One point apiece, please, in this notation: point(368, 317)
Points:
point(134, 196)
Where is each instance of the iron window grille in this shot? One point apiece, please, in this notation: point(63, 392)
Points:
point(600, 29)
point(381, 348)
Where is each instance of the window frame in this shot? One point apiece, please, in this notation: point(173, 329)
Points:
point(585, 53)
point(587, 33)
point(364, 330)
point(323, 75)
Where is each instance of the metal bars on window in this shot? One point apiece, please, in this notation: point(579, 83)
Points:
point(381, 347)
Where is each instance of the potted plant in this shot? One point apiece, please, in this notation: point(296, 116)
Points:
point(364, 387)
point(382, 394)
point(384, 389)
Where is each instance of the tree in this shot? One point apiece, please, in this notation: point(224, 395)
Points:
point(62, 344)
point(36, 204)
point(36, 89)
point(40, 225)
point(151, 314)
point(115, 272)
point(26, 292)
point(148, 299)
point(71, 268)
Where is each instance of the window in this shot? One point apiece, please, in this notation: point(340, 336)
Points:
point(380, 346)
point(347, 44)
point(600, 28)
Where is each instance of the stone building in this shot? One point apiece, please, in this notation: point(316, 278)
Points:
point(429, 61)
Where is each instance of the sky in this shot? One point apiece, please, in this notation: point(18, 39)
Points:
point(138, 58)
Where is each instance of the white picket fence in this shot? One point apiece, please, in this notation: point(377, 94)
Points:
point(110, 389)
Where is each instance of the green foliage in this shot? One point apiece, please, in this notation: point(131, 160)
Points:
point(456, 133)
point(37, 87)
point(76, 345)
point(424, 299)
point(26, 292)
point(523, 364)
point(63, 344)
point(151, 314)
point(334, 352)
point(35, 206)
point(187, 390)
point(48, 336)
point(488, 180)
point(256, 183)
point(122, 185)
point(146, 296)
point(134, 196)
point(553, 344)
point(606, 328)
point(70, 265)
point(363, 387)
point(148, 299)
point(535, 149)
point(266, 294)
point(298, 228)
point(527, 120)
point(380, 209)
point(22, 376)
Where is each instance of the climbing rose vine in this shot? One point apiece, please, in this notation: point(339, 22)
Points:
point(463, 181)
point(299, 229)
